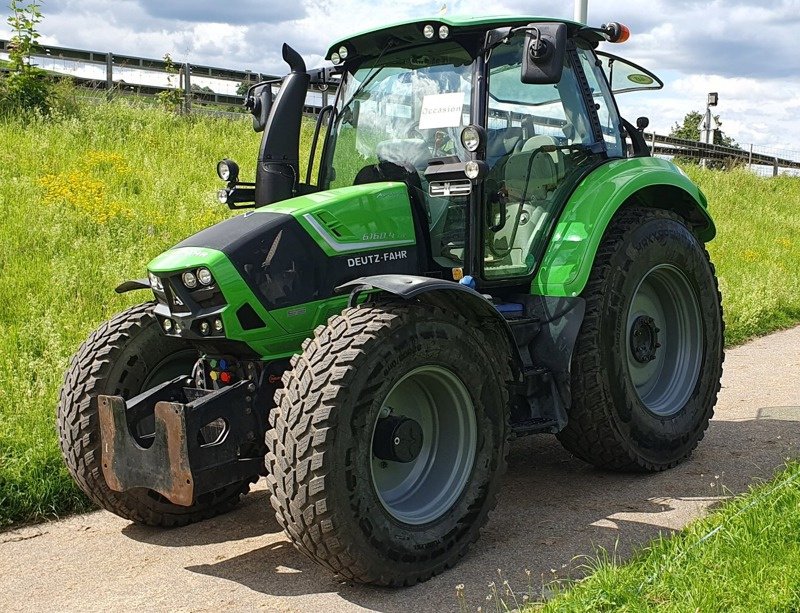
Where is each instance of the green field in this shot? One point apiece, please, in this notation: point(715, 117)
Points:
point(88, 201)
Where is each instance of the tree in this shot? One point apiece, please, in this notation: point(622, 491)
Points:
point(690, 129)
point(25, 87)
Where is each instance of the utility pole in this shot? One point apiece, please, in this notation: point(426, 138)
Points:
point(581, 9)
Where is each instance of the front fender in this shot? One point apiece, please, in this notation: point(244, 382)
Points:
point(455, 296)
point(651, 182)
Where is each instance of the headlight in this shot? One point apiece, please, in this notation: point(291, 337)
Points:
point(472, 169)
point(155, 282)
point(343, 53)
point(204, 276)
point(444, 32)
point(336, 58)
point(228, 170)
point(222, 196)
point(471, 138)
point(428, 31)
point(189, 279)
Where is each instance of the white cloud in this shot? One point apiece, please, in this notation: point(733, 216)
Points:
point(744, 49)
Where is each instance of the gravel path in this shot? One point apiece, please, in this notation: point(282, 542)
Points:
point(552, 508)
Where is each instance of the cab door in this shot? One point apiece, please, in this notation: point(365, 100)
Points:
point(541, 140)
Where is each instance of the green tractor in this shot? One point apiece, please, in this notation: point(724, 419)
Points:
point(480, 248)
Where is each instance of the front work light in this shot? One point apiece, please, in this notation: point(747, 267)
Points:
point(444, 32)
point(336, 58)
point(343, 53)
point(471, 138)
point(228, 170)
point(472, 169)
point(428, 31)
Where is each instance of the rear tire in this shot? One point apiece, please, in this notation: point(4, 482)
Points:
point(647, 364)
point(384, 521)
point(125, 356)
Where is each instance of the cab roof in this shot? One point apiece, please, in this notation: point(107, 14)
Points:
point(410, 32)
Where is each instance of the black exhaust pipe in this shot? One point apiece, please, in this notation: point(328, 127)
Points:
point(278, 168)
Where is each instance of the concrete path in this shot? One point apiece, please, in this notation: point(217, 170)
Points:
point(552, 509)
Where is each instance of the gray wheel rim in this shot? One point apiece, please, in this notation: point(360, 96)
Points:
point(665, 366)
point(421, 491)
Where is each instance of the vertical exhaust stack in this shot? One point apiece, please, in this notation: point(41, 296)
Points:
point(278, 168)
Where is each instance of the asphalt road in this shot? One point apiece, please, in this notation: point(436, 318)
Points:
point(552, 510)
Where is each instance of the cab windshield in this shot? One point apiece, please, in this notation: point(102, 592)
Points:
point(394, 116)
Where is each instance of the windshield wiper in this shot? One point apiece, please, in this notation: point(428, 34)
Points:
point(369, 78)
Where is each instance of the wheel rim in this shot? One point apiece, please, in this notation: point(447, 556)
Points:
point(664, 340)
point(430, 401)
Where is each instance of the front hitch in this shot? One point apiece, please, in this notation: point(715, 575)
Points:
point(182, 460)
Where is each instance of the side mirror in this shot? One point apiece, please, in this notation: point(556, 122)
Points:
point(642, 123)
point(259, 104)
point(543, 53)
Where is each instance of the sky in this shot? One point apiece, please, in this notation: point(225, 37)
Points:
point(746, 50)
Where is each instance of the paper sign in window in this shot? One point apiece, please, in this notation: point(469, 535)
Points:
point(441, 111)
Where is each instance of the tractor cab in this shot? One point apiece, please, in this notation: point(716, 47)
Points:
point(491, 124)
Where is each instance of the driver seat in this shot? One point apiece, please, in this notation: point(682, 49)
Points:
point(529, 175)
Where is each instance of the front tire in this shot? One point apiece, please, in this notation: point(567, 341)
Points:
point(388, 441)
point(125, 356)
point(647, 364)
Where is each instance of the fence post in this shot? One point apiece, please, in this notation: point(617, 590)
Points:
point(750, 159)
point(653, 145)
point(109, 75)
point(187, 88)
point(775, 167)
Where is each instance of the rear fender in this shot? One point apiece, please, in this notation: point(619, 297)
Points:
point(649, 182)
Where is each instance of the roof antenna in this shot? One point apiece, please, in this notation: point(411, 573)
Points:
point(443, 10)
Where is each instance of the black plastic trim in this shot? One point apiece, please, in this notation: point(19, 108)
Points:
point(134, 284)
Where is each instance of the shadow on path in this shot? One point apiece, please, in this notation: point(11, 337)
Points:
point(552, 509)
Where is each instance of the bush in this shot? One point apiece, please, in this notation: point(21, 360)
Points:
point(27, 90)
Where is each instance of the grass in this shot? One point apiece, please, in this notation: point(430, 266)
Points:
point(757, 249)
point(88, 201)
point(743, 557)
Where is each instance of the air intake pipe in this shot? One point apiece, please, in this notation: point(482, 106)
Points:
point(278, 168)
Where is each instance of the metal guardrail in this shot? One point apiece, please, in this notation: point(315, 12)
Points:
point(678, 147)
point(222, 102)
point(186, 72)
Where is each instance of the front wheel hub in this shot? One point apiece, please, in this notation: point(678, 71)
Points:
point(397, 439)
point(644, 339)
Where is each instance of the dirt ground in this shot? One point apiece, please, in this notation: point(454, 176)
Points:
point(552, 510)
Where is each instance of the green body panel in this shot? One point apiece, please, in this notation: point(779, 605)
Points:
point(355, 218)
point(266, 341)
point(341, 221)
point(569, 257)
